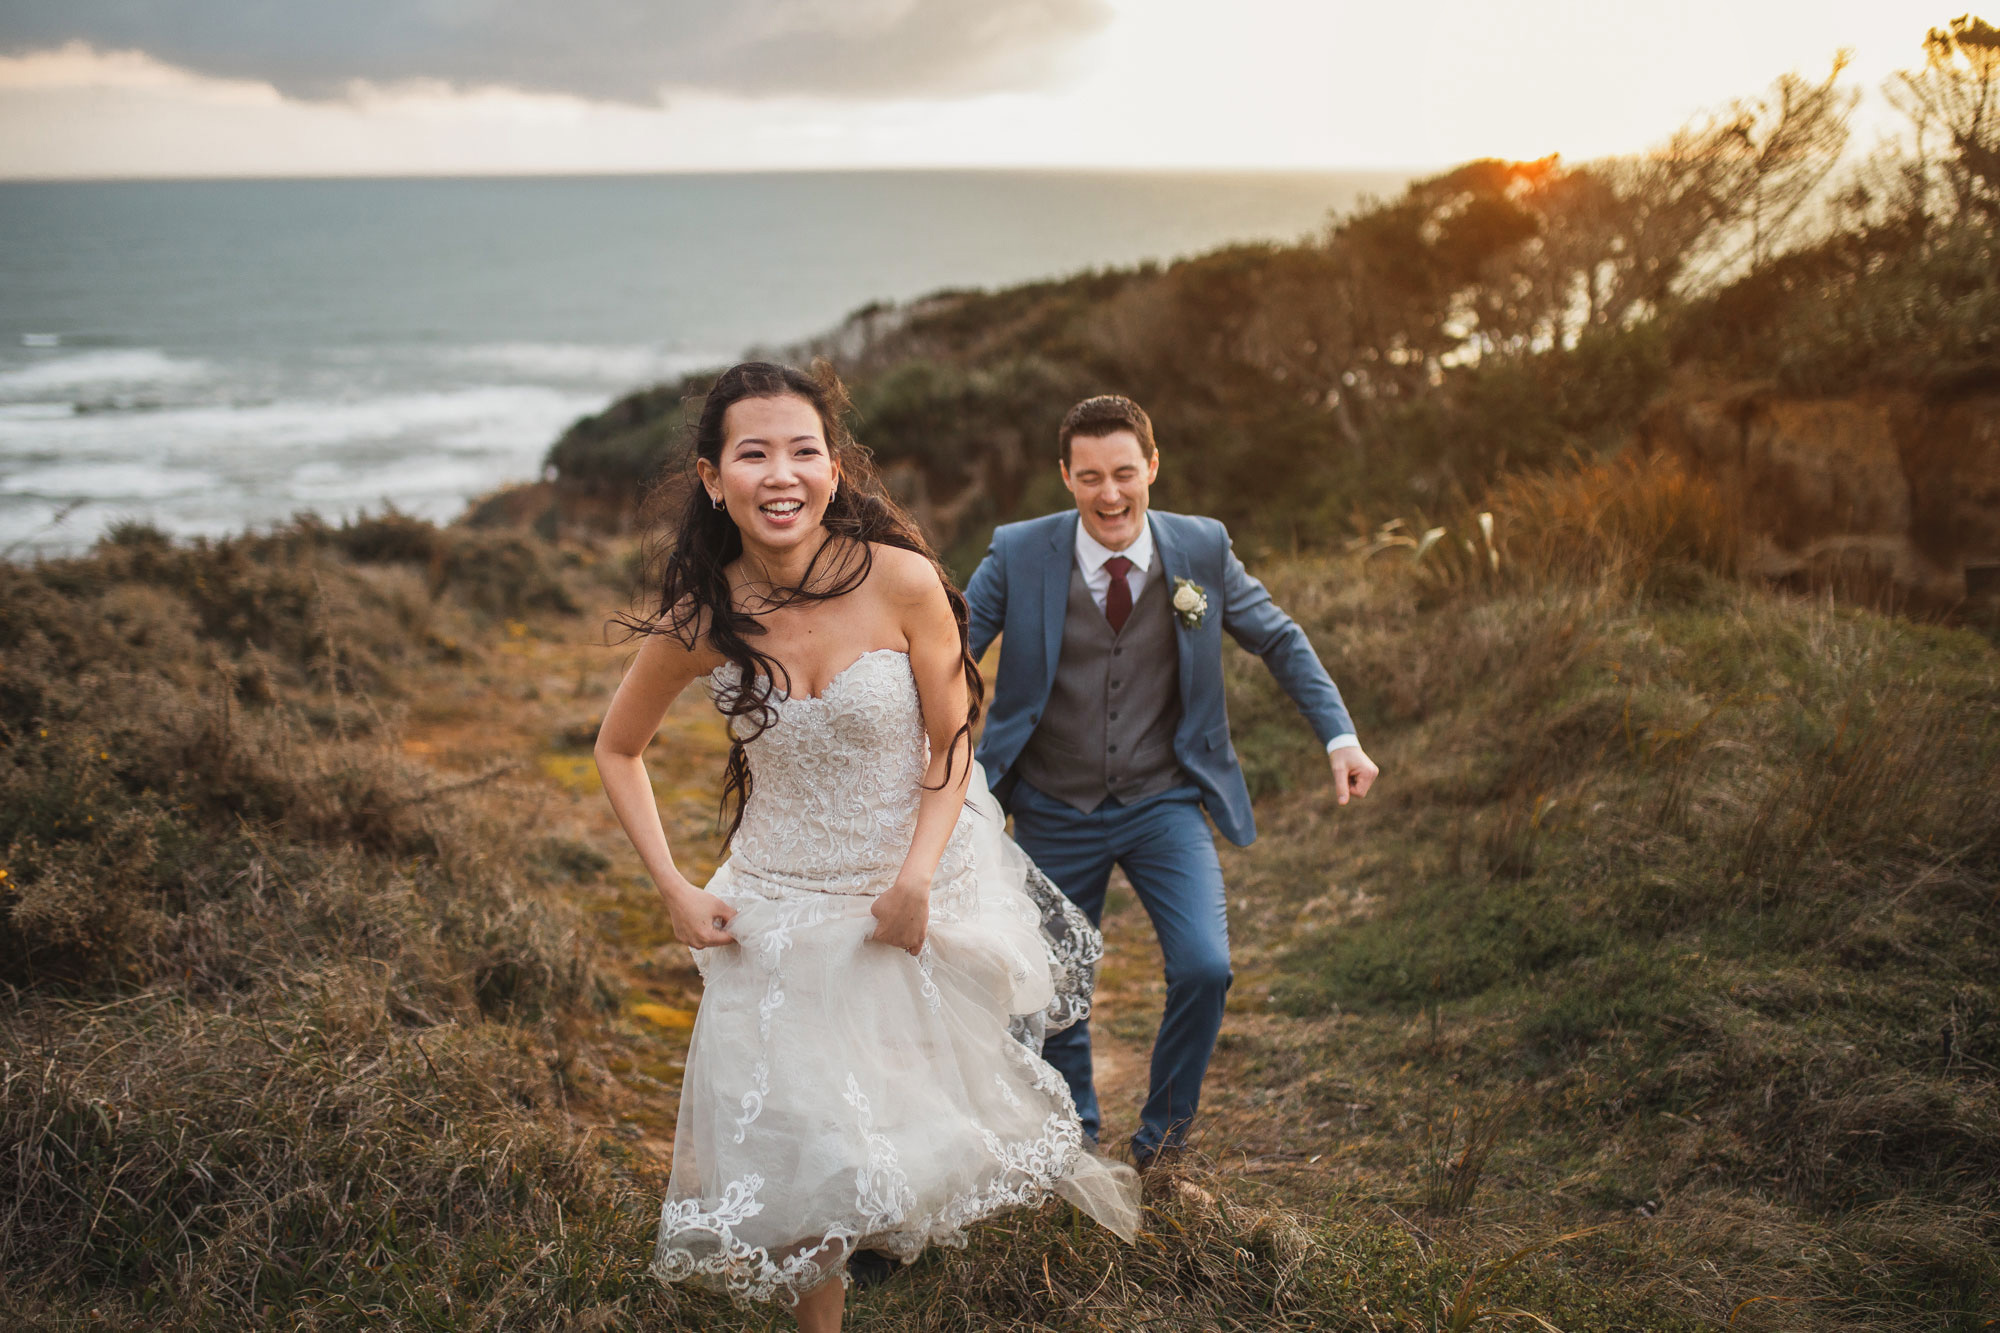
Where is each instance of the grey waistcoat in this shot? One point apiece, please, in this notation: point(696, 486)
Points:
point(1108, 726)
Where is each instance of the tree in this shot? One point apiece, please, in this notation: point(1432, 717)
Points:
point(1727, 192)
point(1957, 94)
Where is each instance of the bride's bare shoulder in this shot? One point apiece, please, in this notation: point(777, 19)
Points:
point(911, 591)
point(902, 575)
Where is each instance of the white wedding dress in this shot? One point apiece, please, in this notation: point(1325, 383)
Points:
point(841, 1094)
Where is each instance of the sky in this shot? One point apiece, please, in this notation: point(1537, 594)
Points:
point(97, 88)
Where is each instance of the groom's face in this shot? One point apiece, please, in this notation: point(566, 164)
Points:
point(1109, 475)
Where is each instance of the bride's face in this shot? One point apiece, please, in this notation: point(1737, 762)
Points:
point(775, 474)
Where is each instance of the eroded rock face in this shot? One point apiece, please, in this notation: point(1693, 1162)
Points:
point(1951, 456)
point(1836, 465)
point(1883, 488)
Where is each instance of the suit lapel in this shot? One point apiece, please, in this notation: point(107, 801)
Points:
point(1055, 591)
point(1174, 565)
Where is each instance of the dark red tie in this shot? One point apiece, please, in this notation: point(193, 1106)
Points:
point(1118, 597)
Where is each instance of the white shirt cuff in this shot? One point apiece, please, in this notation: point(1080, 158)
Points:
point(1345, 738)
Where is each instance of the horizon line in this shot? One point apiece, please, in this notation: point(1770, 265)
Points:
point(620, 173)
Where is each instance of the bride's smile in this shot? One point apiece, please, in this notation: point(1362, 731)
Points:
point(776, 477)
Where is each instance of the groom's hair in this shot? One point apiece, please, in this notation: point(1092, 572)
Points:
point(1103, 415)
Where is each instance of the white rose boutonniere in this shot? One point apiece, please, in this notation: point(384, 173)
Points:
point(1190, 602)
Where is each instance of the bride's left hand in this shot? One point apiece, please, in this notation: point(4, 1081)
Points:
point(902, 915)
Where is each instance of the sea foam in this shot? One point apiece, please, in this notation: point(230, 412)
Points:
point(135, 368)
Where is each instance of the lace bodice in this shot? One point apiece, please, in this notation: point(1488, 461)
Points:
point(835, 783)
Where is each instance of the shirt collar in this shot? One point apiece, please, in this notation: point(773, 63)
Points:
point(1091, 553)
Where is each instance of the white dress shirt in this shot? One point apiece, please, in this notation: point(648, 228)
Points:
point(1091, 555)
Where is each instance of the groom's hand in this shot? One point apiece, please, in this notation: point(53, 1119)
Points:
point(1353, 772)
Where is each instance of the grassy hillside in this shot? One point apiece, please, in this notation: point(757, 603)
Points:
point(1679, 909)
point(1665, 951)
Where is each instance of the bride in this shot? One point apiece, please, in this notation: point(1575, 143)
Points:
point(879, 960)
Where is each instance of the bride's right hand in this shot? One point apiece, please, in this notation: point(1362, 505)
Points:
point(902, 918)
point(700, 918)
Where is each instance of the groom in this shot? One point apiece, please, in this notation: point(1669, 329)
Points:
point(1107, 736)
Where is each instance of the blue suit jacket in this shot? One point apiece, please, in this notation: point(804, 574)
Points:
point(1021, 588)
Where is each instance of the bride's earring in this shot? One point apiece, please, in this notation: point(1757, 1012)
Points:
point(715, 500)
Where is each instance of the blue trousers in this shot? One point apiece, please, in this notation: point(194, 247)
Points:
point(1164, 846)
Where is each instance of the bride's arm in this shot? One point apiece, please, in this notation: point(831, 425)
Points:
point(661, 671)
point(902, 914)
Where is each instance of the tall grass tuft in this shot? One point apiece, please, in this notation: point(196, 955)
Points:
point(1457, 1147)
point(1637, 522)
point(1633, 524)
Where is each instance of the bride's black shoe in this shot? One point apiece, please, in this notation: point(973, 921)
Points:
point(871, 1268)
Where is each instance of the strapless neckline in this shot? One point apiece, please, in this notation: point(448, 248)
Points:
point(778, 692)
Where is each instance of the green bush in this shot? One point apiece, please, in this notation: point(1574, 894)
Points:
point(622, 451)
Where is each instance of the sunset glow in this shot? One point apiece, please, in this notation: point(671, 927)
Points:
point(1140, 83)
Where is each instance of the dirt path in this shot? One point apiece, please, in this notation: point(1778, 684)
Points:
point(534, 703)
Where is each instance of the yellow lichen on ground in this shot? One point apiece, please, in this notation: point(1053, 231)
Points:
point(679, 1020)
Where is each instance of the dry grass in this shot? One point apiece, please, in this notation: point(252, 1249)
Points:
point(1635, 523)
point(201, 1166)
point(1210, 1258)
point(288, 1018)
point(1457, 1147)
point(1704, 877)
point(1629, 522)
point(1652, 991)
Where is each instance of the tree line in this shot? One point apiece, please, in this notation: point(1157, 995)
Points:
point(1495, 316)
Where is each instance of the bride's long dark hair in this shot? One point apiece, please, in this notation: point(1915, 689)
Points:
point(688, 564)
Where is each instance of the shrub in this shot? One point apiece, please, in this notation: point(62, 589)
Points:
point(1636, 522)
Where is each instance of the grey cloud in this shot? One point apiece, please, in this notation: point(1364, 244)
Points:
point(615, 50)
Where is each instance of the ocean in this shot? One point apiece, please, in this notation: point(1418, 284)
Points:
point(208, 356)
